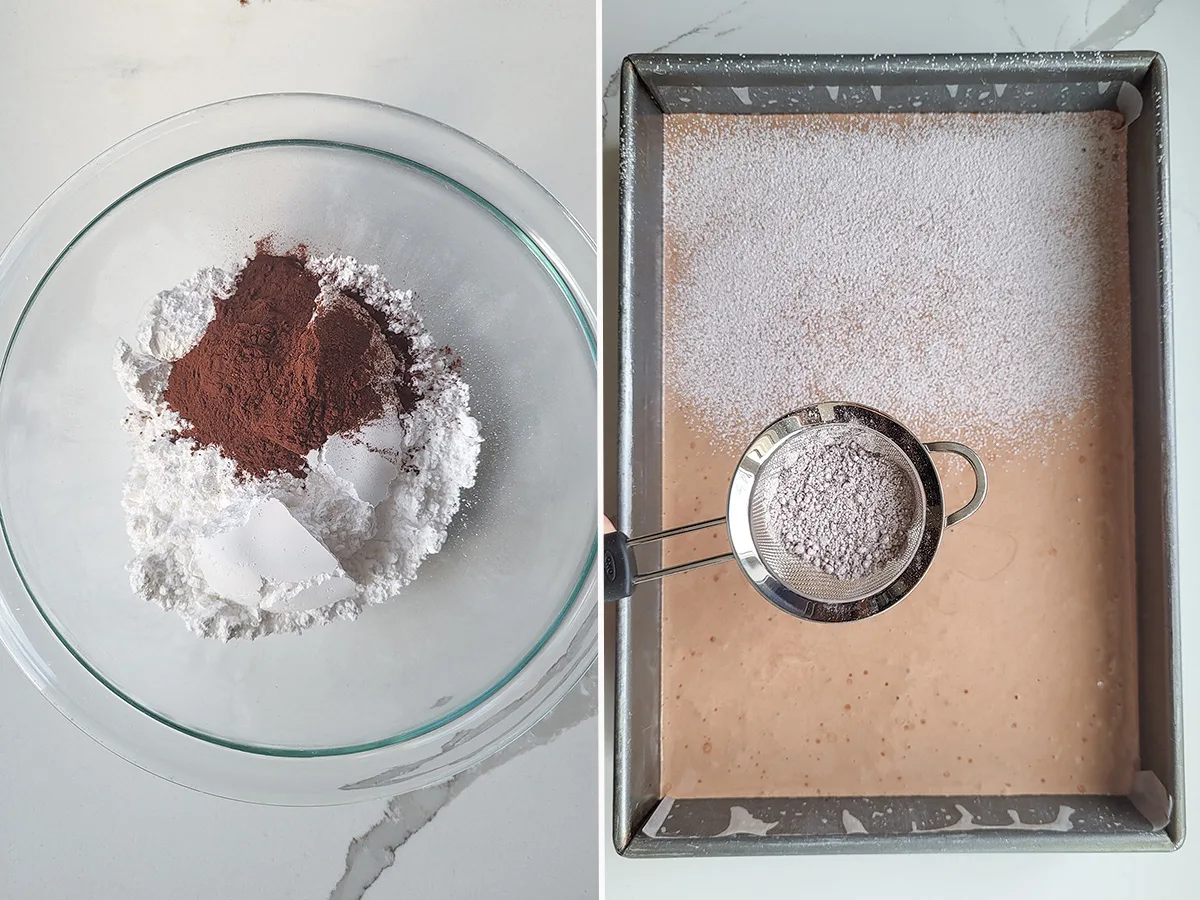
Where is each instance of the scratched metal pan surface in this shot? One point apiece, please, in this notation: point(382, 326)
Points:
point(653, 86)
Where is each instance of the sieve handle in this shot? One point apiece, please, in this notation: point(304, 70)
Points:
point(620, 566)
point(980, 477)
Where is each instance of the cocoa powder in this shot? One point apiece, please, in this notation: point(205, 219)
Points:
point(276, 373)
point(401, 345)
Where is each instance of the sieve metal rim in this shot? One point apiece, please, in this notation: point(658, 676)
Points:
point(761, 449)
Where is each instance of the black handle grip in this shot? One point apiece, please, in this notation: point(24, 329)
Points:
point(620, 567)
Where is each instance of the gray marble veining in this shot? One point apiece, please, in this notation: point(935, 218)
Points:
point(610, 89)
point(373, 851)
point(1120, 26)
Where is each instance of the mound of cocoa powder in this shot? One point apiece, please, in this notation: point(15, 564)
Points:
point(269, 380)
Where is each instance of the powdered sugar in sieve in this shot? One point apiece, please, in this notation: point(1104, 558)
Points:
point(838, 502)
point(835, 512)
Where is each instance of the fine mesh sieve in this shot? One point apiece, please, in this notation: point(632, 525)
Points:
point(789, 579)
point(803, 575)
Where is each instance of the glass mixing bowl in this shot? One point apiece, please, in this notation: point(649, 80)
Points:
point(497, 627)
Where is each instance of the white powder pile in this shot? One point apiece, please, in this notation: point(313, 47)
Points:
point(178, 495)
point(838, 505)
point(958, 272)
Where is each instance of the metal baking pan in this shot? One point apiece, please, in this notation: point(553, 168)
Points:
point(654, 86)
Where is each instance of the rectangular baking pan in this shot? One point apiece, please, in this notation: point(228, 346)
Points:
point(657, 85)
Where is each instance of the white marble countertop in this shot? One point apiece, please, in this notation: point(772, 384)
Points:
point(75, 820)
point(930, 26)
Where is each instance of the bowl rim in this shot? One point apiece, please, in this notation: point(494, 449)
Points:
point(485, 723)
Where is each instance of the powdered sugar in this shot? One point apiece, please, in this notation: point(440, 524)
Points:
point(837, 504)
point(177, 492)
point(962, 272)
point(177, 317)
